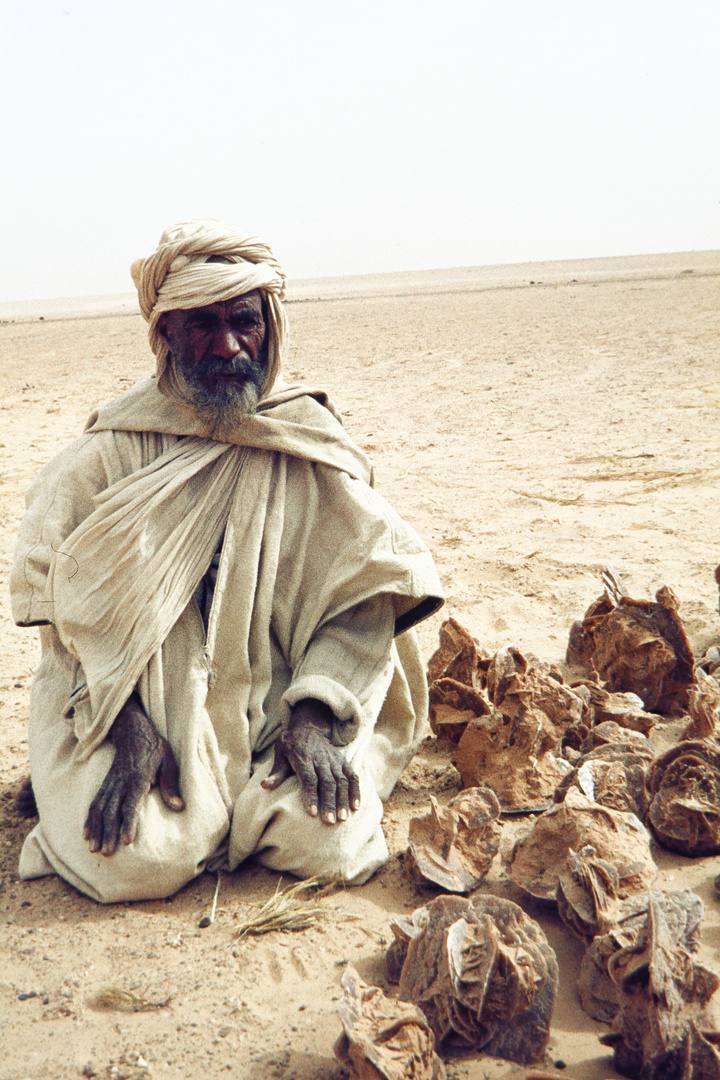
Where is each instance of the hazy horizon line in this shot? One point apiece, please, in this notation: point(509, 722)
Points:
point(410, 282)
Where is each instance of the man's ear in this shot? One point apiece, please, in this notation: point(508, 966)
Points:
point(161, 327)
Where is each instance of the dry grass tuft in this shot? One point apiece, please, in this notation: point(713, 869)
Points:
point(114, 997)
point(287, 910)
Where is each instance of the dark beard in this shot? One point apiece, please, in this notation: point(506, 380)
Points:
point(229, 402)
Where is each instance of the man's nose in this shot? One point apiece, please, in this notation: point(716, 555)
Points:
point(225, 343)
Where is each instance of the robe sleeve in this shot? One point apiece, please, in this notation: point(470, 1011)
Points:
point(348, 666)
point(57, 501)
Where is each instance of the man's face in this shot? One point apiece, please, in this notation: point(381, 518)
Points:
point(219, 355)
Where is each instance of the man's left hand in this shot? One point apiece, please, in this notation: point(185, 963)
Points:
point(330, 786)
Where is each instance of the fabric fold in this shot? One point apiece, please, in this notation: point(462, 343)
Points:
point(305, 540)
point(123, 577)
point(295, 420)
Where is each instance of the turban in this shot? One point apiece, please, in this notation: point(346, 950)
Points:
point(179, 276)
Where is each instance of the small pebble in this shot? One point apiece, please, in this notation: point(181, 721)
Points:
point(29, 994)
point(204, 923)
point(560, 1064)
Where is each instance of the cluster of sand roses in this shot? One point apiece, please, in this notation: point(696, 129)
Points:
point(578, 759)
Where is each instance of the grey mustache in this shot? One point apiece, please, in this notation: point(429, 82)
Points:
point(247, 368)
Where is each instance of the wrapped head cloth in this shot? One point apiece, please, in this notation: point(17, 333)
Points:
point(179, 276)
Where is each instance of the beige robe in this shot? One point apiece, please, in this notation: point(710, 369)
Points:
point(316, 571)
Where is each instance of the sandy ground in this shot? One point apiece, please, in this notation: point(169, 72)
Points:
point(531, 433)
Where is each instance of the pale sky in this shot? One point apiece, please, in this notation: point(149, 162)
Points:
point(356, 136)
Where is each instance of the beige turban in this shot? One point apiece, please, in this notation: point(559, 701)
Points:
point(178, 275)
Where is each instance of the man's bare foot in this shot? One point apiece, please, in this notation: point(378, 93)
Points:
point(25, 805)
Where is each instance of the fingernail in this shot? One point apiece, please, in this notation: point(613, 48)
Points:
point(356, 804)
point(342, 814)
point(313, 811)
point(330, 818)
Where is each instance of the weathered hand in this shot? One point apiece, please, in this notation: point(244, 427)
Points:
point(142, 759)
point(326, 779)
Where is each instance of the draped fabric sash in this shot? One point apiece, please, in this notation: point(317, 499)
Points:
point(122, 578)
point(295, 420)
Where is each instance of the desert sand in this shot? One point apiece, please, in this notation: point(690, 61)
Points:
point(533, 423)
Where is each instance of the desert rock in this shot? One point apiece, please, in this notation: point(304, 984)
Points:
point(662, 995)
point(384, 1039)
point(598, 993)
point(514, 758)
point(458, 657)
point(484, 975)
point(619, 838)
point(454, 845)
point(613, 775)
point(623, 709)
point(637, 646)
point(587, 893)
point(684, 792)
point(703, 706)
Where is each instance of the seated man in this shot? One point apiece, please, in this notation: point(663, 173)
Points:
point(225, 608)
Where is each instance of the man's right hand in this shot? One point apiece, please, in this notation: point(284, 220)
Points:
point(142, 759)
